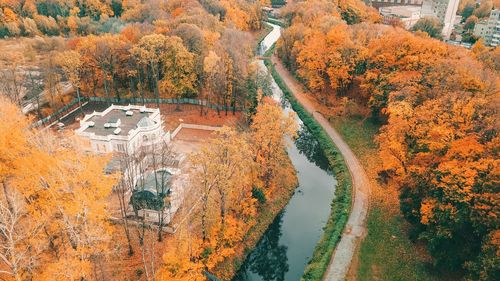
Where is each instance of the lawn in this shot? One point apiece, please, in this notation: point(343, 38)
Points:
point(386, 253)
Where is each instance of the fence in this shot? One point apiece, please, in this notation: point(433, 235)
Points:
point(58, 112)
point(164, 101)
point(193, 126)
point(196, 102)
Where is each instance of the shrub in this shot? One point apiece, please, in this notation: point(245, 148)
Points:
point(258, 194)
point(139, 272)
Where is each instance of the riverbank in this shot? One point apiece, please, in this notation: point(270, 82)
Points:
point(341, 205)
point(267, 213)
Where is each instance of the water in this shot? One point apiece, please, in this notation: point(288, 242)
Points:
point(269, 40)
point(288, 244)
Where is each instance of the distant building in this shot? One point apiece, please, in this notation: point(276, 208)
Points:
point(444, 10)
point(409, 15)
point(489, 29)
point(387, 3)
point(122, 129)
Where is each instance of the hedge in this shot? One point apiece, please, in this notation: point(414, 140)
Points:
point(276, 22)
point(341, 204)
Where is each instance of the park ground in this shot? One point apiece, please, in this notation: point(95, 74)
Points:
point(118, 265)
point(386, 252)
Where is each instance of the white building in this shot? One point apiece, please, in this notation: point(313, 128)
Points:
point(444, 10)
point(409, 15)
point(153, 196)
point(489, 29)
point(122, 129)
point(386, 3)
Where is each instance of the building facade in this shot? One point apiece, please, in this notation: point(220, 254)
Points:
point(409, 15)
point(122, 129)
point(444, 10)
point(489, 29)
point(387, 3)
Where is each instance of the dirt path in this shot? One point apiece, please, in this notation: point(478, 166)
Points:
point(355, 229)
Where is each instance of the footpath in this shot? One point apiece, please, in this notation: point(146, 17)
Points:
point(355, 229)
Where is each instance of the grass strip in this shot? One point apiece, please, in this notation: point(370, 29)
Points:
point(276, 22)
point(341, 204)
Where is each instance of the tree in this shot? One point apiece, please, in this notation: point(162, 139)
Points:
point(214, 77)
point(15, 233)
point(446, 169)
point(34, 87)
point(11, 83)
point(179, 76)
point(343, 58)
point(51, 81)
point(149, 52)
point(430, 25)
point(466, 8)
point(61, 221)
point(105, 59)
point(270, 128)
point(160, 156)
point(470, 23)
point(489, 56)
point(235, 49)
point(129, 170)
point(310, 59)
point(72, 66)
point(222, 177)
point(222, 167)
point(484, 9)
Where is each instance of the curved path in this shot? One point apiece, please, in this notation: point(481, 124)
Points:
point(355, 229)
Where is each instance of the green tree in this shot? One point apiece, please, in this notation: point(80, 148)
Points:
point(430, 25)
point(470, 23)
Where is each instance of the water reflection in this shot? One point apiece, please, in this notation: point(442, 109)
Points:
point(269, 260)
point(287, 246)
point(309, 146)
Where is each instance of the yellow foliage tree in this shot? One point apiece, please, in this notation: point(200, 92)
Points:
point(63, 192)
point(270, 128)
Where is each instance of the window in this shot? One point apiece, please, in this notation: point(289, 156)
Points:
point(145, 138)
point(120, 147)
point(101, 147)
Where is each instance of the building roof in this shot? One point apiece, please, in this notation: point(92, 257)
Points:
point(401, 11)
point(125, 118)
point(157, 183)
point(145, 122)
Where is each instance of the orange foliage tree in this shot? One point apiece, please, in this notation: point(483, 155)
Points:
point(57, 198)
point(437, 106)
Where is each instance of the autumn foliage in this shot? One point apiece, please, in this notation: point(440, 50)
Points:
point(224, 174)
point(135, 49)
point(439, 108)
point(53, 220)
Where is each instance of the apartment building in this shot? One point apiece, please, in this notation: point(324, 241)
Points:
point(387, 3)
point(444, 10)
point(489, 29)
point(409, 15)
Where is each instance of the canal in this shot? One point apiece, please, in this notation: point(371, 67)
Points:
point(288, 244)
